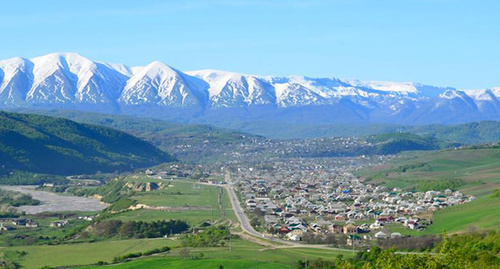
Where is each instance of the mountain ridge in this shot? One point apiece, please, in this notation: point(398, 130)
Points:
point(69, 80)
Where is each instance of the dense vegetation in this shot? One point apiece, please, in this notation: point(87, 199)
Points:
point(27, 178)
point(478, 250)
point(47, 145)
point(469, 133)
point(210, 237)
point(127, 257)
point(14, 198)
point(439, 184)
point(392, 143)
point(207, 143)
point(138, 229)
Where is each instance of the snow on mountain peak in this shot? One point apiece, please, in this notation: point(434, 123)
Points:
point(68, 78)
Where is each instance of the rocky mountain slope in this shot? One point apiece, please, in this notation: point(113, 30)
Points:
point(69, 80)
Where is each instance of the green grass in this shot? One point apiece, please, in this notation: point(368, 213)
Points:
point(192, 202)
point(482, 214)
point(192, 217)
point(479, 168)
point(182, 194)
point(85, 253)
point(195, 264)
point(25, 235)
point(243, 254)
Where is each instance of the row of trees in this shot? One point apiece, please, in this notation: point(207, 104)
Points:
point(139, 229)
point(478, 250)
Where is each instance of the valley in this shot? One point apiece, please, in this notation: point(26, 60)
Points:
point(237, 199)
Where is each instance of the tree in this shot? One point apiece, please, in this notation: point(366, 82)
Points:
point(184, 252)
point(331, 240)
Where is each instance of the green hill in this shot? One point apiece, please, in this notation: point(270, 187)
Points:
point(205, 143)
point(392, 143)
point(48, 145)
point(473, 170)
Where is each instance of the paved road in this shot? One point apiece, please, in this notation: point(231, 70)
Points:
point(247, 227)
point(240, 214)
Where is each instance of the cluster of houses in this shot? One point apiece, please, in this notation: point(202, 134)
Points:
point(17, 222)
point(7, 224)
point(326, 198)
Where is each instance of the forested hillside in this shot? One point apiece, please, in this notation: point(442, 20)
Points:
point(42, 144)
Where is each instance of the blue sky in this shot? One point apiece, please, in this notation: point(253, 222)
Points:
point(442, 42)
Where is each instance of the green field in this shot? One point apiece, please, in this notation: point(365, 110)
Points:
point(478, 168)
point(242, 254)
point(482, 214)
point(181, 194)
point(84, 253)
point(196, 264)
point(189, 201)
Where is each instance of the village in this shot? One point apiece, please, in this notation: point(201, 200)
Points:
point(293, 199)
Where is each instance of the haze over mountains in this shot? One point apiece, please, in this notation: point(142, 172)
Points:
point(71, 81)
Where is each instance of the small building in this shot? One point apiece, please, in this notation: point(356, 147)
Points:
point(396, 235)
point(350, 229)
point(336, 228)
point(339, 217)
point(381, 235)
point(6, 228)
point(31, 224)
point(19, 222)
point(284, 230)
point(59, 223)
point(354, 240)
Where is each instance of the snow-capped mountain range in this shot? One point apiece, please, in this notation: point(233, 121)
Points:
point(69, 80)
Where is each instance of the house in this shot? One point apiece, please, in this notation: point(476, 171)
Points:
point(354, 240)
point(376, 225)
point(31, 224)
point(284, 230)
point(350, 229)
point(19, 222)
point(339, 217)
point(59, 223)
point(395, 235)
point(336, 228)
point(251, 204)
point(6, 228)
point(381, 235)
point(295, 235)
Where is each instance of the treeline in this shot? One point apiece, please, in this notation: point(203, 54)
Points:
point(210, 237)
point(439, 184)
point(478, 250)
point(14, 198)
point(414, 243)
point(138, 229)
point(47, 145)
point(140, 254)
point(27, 178)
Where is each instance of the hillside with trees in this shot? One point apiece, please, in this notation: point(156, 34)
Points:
point(48, 145)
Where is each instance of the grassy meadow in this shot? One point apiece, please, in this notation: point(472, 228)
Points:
point(241, 254)
point(84, 253)
point(188, 201)
point(478, 170)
